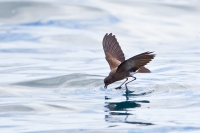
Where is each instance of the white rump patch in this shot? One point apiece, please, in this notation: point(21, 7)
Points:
point(132, 73)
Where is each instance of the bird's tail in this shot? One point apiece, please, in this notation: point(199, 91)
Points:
point(143, 70)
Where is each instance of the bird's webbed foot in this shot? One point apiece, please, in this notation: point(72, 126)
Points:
point(128, 91)
point(118, 87)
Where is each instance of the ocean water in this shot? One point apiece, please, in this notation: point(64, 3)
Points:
point(52, 66)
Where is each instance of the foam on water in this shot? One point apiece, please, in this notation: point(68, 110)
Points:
point(52, 66)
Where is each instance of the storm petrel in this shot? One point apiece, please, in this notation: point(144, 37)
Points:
point(121, 68)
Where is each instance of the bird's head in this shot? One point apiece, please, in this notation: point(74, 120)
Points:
point(108, 80)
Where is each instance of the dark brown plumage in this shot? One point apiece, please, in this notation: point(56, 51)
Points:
point(121, 68)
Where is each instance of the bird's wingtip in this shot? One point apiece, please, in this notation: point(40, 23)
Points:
point(108, 34)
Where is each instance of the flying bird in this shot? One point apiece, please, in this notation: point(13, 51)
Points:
point(121, 68)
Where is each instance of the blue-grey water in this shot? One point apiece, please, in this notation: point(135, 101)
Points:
point(52, 66)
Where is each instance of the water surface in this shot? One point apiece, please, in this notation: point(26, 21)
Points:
point(52, 66)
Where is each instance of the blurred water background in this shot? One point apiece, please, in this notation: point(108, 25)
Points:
point(52, 66)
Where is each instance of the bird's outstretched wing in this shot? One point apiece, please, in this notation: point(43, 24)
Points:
point(136, 62)
point(113, 51)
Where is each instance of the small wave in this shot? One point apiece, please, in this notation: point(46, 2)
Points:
point(69, 81)
point(15, 108)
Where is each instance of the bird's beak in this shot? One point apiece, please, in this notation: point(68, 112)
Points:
point(105, 86)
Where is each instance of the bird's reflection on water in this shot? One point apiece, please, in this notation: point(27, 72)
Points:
point(134, 95)
point(121, 112)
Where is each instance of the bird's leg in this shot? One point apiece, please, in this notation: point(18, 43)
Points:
point(127, 91)
point(122, 84)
